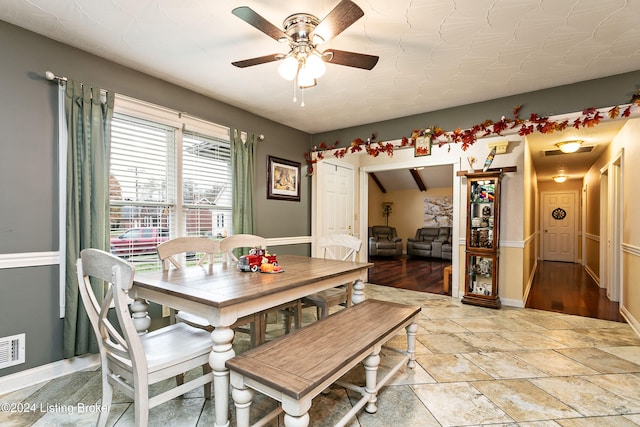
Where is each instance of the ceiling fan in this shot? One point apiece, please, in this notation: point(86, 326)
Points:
point(304, 32)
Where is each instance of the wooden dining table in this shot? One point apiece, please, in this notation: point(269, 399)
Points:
point(221, 293)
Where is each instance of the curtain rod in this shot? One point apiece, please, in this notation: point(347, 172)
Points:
point(50, 76)
point(62, 80)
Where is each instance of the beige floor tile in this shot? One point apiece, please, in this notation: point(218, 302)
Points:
point(451, 368)
point(446, 343)
point(587, 398)
point(546, 319)
point(523, 401)
point(459, 404)
point(553, 363)
point(599, 360)
point(489, 342)
point(615, 421)
point(630, 353)
point(624, 385)
point(531, 340)
point(441, 326)
point(503, 365)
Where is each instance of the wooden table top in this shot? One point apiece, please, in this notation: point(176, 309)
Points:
point(220, 285)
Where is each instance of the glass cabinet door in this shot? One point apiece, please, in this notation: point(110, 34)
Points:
point(481, 271)
point(482, 214)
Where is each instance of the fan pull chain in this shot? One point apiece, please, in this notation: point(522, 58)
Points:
point(302, 96)
point(295, 83)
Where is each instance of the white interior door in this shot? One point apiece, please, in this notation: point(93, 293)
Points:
point(337, 199)
point(559, 216)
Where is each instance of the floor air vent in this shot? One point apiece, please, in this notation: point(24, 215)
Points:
point(11, 350)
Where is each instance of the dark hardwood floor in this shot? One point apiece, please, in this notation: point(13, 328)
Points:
point(566, 287)
point(557, 286)
point(416, 274)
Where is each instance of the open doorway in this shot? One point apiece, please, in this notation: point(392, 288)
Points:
point(451, 178)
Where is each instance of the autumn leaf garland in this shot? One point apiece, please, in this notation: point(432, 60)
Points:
point(589, 118)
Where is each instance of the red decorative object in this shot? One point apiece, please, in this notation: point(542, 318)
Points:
point(590, 117)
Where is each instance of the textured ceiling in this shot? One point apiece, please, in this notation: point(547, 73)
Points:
point(433, 53)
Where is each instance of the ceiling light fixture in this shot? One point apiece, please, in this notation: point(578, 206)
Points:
point(560, 178)
point(303, 32)
point(569, 146)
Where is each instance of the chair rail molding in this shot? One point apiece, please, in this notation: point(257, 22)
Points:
point(29, 259)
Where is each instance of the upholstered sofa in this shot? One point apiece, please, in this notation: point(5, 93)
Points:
point(384, 241)
point(433, 242)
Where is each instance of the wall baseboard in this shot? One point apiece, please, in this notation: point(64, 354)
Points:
point(593, 275)
point(51, 371)
point(632, 321)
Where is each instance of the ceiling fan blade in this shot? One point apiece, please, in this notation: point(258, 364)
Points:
point(350, 59)
point(259, 60)
point(341, 17)
point(252, 18)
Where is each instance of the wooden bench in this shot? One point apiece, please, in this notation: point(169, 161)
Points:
point(297, 367)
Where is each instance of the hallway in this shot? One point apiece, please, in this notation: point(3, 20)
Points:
point(567, 288)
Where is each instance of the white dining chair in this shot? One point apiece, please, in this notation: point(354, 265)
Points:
point(291, 310)
point(132, 362)
point(207, 250)
point(237, 241)
point(336, 246)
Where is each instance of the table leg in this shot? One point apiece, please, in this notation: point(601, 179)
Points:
point(358, 292)
point(222, 351)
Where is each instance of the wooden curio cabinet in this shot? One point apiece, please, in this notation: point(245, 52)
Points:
point(483, 239)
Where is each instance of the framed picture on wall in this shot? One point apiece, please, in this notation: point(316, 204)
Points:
point(423, 146)
point(283, 179)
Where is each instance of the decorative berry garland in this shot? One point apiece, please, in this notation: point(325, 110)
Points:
point(590, 117)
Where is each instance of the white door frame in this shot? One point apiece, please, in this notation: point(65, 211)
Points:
point(611, 220)
point(414, 163)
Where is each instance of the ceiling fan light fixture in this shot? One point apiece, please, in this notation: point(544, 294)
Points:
point(569, 146)
point(288, 68)
point(316, 65)
point(305, 78)
point(560, 178)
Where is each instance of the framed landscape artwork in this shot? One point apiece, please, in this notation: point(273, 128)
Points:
point(283, 179)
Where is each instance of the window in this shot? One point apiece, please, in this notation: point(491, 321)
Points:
point(170, 176)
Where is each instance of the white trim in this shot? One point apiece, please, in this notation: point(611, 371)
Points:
point(48, 372)
point(630, 249)
point(593, 237)
point(146, 110)
point(204, 127)
point(512, 302)
point(592, 274)
point(29, 259)
point(632, 321)
point(280, 241)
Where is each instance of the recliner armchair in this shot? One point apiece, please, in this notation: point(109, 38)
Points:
point(434, 242)
point(384, 241)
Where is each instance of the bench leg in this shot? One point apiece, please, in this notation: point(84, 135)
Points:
point(242, 398)
point(411, 343)
point(293, 421)
point(371, 364)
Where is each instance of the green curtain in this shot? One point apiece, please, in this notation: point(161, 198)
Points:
point(243, 164)
point(88, 113)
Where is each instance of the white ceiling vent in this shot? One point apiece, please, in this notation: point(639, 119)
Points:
point(12, 350)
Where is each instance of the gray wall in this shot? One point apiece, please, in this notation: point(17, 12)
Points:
point(28, 172)
point(604, 92)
